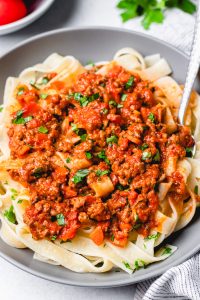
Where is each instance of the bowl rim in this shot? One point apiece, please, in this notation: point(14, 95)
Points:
point(30, 17)
point(120, 282)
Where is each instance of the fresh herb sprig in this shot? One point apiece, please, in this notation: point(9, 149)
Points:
point(152, 11)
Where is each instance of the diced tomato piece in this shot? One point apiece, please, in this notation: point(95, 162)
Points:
point(97, 235)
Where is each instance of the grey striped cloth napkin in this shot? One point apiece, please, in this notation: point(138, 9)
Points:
point(181, 282)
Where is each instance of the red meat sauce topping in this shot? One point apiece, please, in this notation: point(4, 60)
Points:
point(114, 124)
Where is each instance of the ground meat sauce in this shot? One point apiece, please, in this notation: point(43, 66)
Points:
point(111, 134)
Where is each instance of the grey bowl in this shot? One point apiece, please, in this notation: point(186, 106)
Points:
point(96, 44)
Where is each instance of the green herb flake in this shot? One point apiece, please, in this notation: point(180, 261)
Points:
point(14, 194)
point(103, 156)
point(43, 129)
point(38, 173)
point(189, 151)
point(113, 139)
point(119, 105)
point(10, 215)
point(60, 219)
point(123, 97)
point(196, 189)
point(80, 174)
point(104, 111)
point(156, 157)
point(88, 155)
point(112, 237)
point(43, 96)
point(33, 84)
point(139, 263)
point(167, 250)
point(102, 172)
point(20, 91)
point(90, 63)
point(54, 237)
point(129, 83)
point(75, 128)
point(112, 103)
point(68, 160)
point(153, 237)
point(45, 80)
point(146, 155)
point(83, 137)
point(151, 117)
point(19, 118)
point(20, 201)
point(127, 265)
point(144, 146)
point(85, 100)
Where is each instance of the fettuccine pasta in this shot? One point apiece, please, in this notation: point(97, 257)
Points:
point(95, 171)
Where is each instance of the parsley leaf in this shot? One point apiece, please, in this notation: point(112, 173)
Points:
point(113, 139)
point(43, 96)
point(60, 219)
point(10, 215)
point(45, 80)
point(20, 91)
point(83, 137)
point(123, 97)
point(129, 82)
point(38, 173)
point(88, 154)
point(146, 155)
point(19, 118)
point(112, 103)
point(54, 237)
point(152, 11)
point(68, 160)
point(126, 264)
point(151, 117)
point(189, 151)
point(43, 129)
point(157, 156)
point(85, 100)
point(143, 147)
point(103, 156)
point(152, 237)
point(167, 250)
point(102, 172)
point(80, 174)
point(196, 189)
point(104, 111)
point(139, 263)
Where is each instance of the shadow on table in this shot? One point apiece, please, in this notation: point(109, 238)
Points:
point(58, 14)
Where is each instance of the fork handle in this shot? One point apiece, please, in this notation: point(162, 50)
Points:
point(193, 68)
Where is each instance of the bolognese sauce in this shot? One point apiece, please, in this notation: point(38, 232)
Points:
point(93, 155)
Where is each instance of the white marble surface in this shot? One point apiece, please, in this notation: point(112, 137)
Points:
point(177, 29)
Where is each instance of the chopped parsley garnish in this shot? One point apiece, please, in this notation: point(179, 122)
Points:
point(10, 215)
point(189, 151)
point(38, 172)
point(20, 91)
point(129, 83)
point(146, 155)
point(167, 250)
point(112, 237)
point(102, 172)
point(112, 103)
point(136, 217)
point(54, 237)
point(33, 84)
point(68, 160)
point(90, 63)
point(43, 96)
point(74, 128)
point(119, 105)
point(60, 219)
point(196, 189)
point(20, 201)
point(139, 263)
point(113, 139)
point(19, 118)
point(14, 193)
point(83, 137)
point(104, 111)
point(157, 156)
point(143, 147)
point(85, 100)
point(43, 129)
point(103, 156)
point(123, 97)
point(151, 117)
point(126, 264)
point(45, 80)
point(153, 236)
point(80, 174)
point(88, 155)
